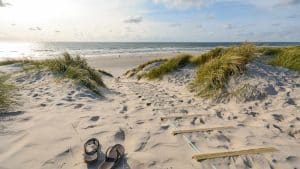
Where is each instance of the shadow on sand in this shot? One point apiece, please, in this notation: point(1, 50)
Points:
point(122, 165)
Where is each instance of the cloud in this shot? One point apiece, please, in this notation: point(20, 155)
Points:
point(228, 26)
point(275, 24)
point(2, 4)
point(199, 26)
point(288, 3)
point(138, 19)
point(293, 16)
point(175, 25)
point(35, 28)
point(183, 4)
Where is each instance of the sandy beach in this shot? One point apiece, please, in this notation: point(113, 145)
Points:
point(54, 118)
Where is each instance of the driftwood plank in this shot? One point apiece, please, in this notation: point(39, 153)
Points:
point(175, 132)
point(182, 116)
point(205, 156)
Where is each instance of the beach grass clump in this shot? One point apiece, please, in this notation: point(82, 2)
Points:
point(5, 93)
point(168, 66)
point(287, 57)
point(14, 61)
point(213, 76)
point(205, 57)
point(134, 71)
point(75, 68)
point(269, 50)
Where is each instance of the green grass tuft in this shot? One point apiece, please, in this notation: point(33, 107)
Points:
point(5, 94)
point(205, 57)
point(212, 77)
point(134, 71)
point(75, 68)
point(9, 62)
point(269, 50)
point(168, 66)
point(288, 57)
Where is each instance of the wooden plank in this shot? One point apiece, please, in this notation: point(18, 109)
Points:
point(182, 116)
point(201, 129)
point(205, 156)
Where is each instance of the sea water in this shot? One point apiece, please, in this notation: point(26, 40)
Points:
point(12, 50)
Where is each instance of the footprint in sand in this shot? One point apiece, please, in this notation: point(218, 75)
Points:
point(143, 141)
point(124, 109)
point(94, 118)
point(120, 135)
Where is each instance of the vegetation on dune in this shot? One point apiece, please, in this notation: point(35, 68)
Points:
point(75, 68)
point(5, 94)
point(269, 50)
point(287, 57)
point(212, 76)
point(134, 71)
point(205, 57)
point(15, 61)
point(168, 66)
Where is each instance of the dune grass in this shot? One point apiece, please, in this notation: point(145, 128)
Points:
point(168, 66)
point(5, 93)
point(205, 57)
point(134, 71)
point(14, 61)
point(213, 76)
point(287, 57)
point(269, 50)
point(75, 68)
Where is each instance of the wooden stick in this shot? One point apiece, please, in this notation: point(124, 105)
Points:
point(204, 156)
point(201, 129)
point(181, 116)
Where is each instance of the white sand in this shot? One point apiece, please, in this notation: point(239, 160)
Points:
point(55, 117)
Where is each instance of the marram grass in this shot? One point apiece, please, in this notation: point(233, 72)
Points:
point(75, 68)
point(168, 66)
point(287, 57)
point(212, 77)
point(5, 94)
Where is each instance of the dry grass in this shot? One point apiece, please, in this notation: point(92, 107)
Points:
point(212, 77)
point(287, 57)
point(134, 71)
point(168, 66)
point(5, 94)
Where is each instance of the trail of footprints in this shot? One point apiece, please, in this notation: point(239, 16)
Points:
point(158, 97)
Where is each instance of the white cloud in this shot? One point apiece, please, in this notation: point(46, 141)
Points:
point(183, 4)
point(228, 26)
point(3, 4)
point(137, 19)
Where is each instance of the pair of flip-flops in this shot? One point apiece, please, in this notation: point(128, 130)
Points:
point(113, 154)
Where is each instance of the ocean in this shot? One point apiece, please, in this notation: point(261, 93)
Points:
point(11, 50)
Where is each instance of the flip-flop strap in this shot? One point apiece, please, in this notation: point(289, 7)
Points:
point(109, 159)
point(96, 142)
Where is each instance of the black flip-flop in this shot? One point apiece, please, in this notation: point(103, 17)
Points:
point(113, 156)
point(91, 149)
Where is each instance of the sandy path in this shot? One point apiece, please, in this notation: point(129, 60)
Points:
point(56, 117)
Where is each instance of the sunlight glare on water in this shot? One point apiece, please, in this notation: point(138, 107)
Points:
point(13, 50)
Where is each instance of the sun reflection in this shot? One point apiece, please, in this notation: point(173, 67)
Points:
point(13, 50)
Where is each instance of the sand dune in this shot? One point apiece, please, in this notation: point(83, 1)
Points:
point(55, 117)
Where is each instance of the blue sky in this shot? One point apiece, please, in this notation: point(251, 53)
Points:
point(150, 20)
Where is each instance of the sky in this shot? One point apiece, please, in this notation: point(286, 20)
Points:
point(150, 20)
